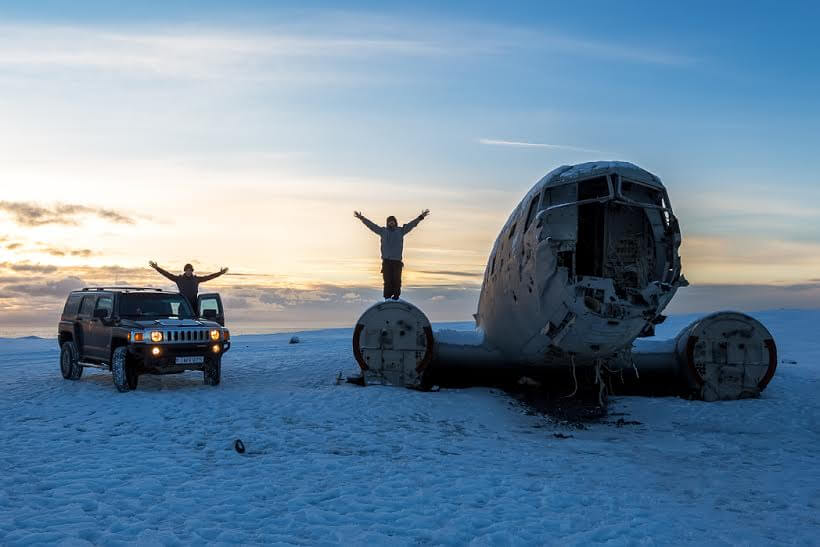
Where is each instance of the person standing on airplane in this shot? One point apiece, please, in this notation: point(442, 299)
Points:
point(392, 245)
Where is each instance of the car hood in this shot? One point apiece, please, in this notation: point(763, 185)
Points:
point(171, 323)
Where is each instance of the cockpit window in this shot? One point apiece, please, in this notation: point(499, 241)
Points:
point(641, 193)
point(531, 212)
point(561, 195)
point(593, 189)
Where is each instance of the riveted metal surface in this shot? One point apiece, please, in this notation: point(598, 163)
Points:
point(393, 344)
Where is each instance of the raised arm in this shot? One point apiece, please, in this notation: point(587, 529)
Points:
point(208, 277)
point(164, 272)
point(369, 223)
point(415, 222)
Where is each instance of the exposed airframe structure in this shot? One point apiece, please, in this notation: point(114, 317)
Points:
point(584, 266)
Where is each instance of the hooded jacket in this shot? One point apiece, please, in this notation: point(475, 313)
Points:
point(392, 239)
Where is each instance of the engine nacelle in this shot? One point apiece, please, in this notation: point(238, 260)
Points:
point(722, 356)
point(393, 344)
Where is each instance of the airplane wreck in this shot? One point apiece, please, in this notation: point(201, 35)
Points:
point(581, 271)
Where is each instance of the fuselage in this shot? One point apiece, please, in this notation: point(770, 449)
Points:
point(584, 265)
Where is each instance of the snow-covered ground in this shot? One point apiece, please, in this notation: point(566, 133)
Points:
point(340, 464)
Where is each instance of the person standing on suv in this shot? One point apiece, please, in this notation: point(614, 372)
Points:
point(392, 245)
point(188, 283)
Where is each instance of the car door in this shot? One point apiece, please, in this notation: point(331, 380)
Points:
point(101, 327)
point(209, 306)
point(85, 318)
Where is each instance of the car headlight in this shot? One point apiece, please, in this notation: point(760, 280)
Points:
point(215, 334)
point(156, 336)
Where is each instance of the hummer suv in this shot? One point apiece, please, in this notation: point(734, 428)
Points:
point(132, 331)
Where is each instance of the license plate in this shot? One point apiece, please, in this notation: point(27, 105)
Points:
point(190, 360)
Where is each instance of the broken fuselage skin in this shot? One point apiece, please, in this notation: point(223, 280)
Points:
point(585, 264)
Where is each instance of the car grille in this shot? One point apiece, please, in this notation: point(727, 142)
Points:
point(179, 336)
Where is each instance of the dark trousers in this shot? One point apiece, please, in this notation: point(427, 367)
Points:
point(391, 272)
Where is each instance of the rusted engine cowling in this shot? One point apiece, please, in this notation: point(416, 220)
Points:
point(393, 344)
point(726, 356)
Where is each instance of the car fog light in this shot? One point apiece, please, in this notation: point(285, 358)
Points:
point(214, 334)
point(215, 348)
point(155, 351)
point(156, 336)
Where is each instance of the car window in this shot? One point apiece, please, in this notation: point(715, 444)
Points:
point(87, 306)
point(154, 305)
point(208, 304)
point(106, 303)
point(72, 305)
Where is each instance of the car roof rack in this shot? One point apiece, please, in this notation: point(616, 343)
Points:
point(122, 288)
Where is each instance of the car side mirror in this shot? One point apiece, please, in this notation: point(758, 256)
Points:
point(101, 314)
point(209, 314)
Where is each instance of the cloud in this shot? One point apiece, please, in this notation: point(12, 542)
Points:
point(613, 51)
point(250, 308)
point(455, 273)
point(703, 298)
point(50, 250)
point(48, 288)
point(219, 52)
point(290, 296)
point(523, 144)
point(31, 214)
point(30, 268)
point(748, 258)
point(236, 302)
point(67, 252)
point(803, 287)
point(288, 51)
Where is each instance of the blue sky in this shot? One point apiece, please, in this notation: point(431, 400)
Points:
point(279, 119)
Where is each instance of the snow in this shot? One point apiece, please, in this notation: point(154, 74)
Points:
point(341, 464)
point(465, 334)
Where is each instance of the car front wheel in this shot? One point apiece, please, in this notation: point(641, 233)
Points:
point(124, 371)
point(70, 361)
point(213, 372)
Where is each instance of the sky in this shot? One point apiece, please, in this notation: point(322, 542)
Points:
point(245, 134)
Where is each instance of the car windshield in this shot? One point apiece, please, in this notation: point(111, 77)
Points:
point(154, 305)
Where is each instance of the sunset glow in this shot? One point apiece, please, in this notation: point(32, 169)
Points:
point(247, 139)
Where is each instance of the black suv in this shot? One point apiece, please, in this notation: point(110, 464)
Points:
point(132, 331)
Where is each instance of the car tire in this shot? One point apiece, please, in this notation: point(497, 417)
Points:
point(213, 372)
point(123, 370)
point(70, 361)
